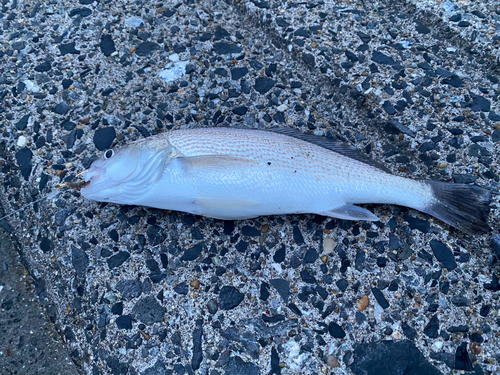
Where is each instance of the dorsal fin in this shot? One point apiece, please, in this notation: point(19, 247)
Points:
point(335, 146)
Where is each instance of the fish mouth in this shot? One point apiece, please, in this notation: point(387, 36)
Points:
point(94, 180)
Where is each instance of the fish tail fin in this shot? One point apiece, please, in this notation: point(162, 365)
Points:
point(462, 206)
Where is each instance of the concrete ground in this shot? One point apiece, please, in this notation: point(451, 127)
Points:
point(29, 343)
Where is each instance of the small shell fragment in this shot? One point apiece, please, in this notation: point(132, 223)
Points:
point(362, 303)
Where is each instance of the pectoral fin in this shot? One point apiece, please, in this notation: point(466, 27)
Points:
point(351, 212)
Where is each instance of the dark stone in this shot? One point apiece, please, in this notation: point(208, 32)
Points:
point(230, 297)
point(68, 48)
point(408, 331)
point(193, 252)
point(390, 357)
point(394, 126)
point(148, 310)
point(129, 288)
point(309, 59)
point(431, 330)
point(113, 234)
point(495, 244)
point(263, 84)
point(283, 288)
point(237, 73)
point(454, 81)
point(457, 329)
point(155, 235)
point(379, 296)
point(443, 254)
point(264, 291)
point(336, 331)
point(240, 110)
point(421, 28)
point(118, 259)
point(485, 310)
point(250, 231)
point(382, 59)
point(275, 362)
point(388, 107)
point(351, 56)
point(181, 288)
point(447, 358)
point(494, 285)
point(365, 38)
point(117, 308)
point(80, 260)
point(221, 33)
point(62, 108)
point(464, 178)
point(107, 45)
point(23, 122)
point(310, 256)
point(236, 366)
point(476, 337)
point(103, 138)
point(221, 71)
point(342, 284)
point(460, 300)
point(297, 235)
point(443, 72)
point(82, 12)
point(279, 117)
point(480, 103)
point(157, 369)
point(45, 245)
point(23, 158)
point(124, 322)
point(146, 48)
point(415, 223)
point(307, 277)
point(462, 360)
point(43, 67)
point(292, 306)
point(223, 48)
point(61, 216)
point(359, 261)
point(18, 46)
point(279, 255)
point(197, 349)
point(494, 117)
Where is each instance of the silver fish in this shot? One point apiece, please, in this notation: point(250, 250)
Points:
point(233, 173)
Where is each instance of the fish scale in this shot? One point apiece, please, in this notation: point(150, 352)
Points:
point(232, 173)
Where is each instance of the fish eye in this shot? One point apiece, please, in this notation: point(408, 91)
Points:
point(109, 154)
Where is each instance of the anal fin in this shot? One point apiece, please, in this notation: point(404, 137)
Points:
point(351, 212)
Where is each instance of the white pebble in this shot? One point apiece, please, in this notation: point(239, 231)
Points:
point(21, 141)
point(438, 345)
point(282, 108)
point(172, 74)
point(328, 245)
point(174, 57)
point(134, 21)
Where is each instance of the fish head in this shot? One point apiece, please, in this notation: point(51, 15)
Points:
point(123, 174)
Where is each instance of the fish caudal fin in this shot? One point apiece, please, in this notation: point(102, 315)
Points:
point(462, 206)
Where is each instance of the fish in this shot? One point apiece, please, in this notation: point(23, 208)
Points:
point(232, 173)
